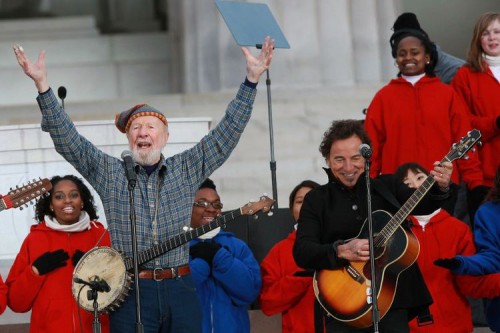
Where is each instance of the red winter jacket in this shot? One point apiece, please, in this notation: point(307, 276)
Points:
point(292, 296)
point(49, 296)
point(481, 92)
point(444, 237)
point(419, 123)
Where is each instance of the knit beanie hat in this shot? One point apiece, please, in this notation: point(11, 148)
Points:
point(406, 25)
point(124, 119)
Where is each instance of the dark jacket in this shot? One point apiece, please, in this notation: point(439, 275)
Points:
point(333, 212)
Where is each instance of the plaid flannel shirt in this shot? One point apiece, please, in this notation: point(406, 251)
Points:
point(174, 183)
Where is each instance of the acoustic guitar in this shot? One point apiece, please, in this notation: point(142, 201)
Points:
point(345, 293)
point(19, 197)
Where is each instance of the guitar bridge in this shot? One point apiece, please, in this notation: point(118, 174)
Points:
point(354, 274)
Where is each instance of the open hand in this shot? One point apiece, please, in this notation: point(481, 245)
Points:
point(36, 71)
point(258, 65)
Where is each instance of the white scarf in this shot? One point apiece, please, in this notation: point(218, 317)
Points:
point(82, 224)
point(413, 79)
point(492, 61)
point(424, 219)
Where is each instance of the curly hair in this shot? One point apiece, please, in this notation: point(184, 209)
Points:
point(475, 53)
point(42, 206)
point(341, 130)
point(494, 193)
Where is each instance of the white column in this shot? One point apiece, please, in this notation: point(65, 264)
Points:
point(336, 45)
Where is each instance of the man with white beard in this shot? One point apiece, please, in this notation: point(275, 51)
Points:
point(226, 273)
point(163, 195)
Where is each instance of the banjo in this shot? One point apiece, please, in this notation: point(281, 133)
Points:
point(109, 269)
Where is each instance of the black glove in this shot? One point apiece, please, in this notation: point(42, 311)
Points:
point(205, 251)
point(307, 272)
point(449, 263)
point(77, 256)
point(49, 261)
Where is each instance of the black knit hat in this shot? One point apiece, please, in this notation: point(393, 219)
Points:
point(406, 25)
point(407, 21)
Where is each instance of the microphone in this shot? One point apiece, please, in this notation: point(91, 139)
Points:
point(129, 168)
point(98, 285)
point(365, 151)
point(61, 92)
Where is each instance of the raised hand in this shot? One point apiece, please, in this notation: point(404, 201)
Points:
point(50, 261)
point(36, 71)
point(258, 65)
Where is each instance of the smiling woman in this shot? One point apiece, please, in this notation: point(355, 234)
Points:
point(40, 278)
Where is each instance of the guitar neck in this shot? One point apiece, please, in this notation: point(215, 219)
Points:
point(181, 239)
point(390, 228)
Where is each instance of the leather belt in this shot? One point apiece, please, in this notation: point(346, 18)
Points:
point(159, 274)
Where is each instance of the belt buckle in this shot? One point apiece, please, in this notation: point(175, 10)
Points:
point(154, 273)
point(174, 272)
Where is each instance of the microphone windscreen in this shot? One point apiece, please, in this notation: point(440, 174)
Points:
point(61, 92)
point(365, 150)
point(126, 153)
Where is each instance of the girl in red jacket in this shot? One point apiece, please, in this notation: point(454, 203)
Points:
point(40, 278)
point(286, 288)
point(478, 83)
point(443, 236)
point(416, 117)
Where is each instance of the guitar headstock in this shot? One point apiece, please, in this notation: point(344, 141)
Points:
point(23, 195)
point(264, 204)
point(459, 149)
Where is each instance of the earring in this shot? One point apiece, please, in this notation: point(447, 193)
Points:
point(82, 206)
point(428, 62)
point(396, 64)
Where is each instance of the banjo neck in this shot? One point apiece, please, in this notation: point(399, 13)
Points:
point(181, 239)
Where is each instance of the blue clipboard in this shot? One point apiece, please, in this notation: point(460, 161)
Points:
point(250, 23)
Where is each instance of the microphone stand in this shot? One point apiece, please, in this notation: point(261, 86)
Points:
point(96, 324)
point(374, 289)
point(138, 325)
point(272, 163)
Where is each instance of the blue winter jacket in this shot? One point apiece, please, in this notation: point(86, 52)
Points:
point(228, 288)
point(487, 239)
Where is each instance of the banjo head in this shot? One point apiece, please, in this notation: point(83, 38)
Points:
point(101, 263)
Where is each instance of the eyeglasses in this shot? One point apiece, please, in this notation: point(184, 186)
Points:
point(205, 204)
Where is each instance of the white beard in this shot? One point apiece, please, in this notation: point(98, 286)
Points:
point(150, 157)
